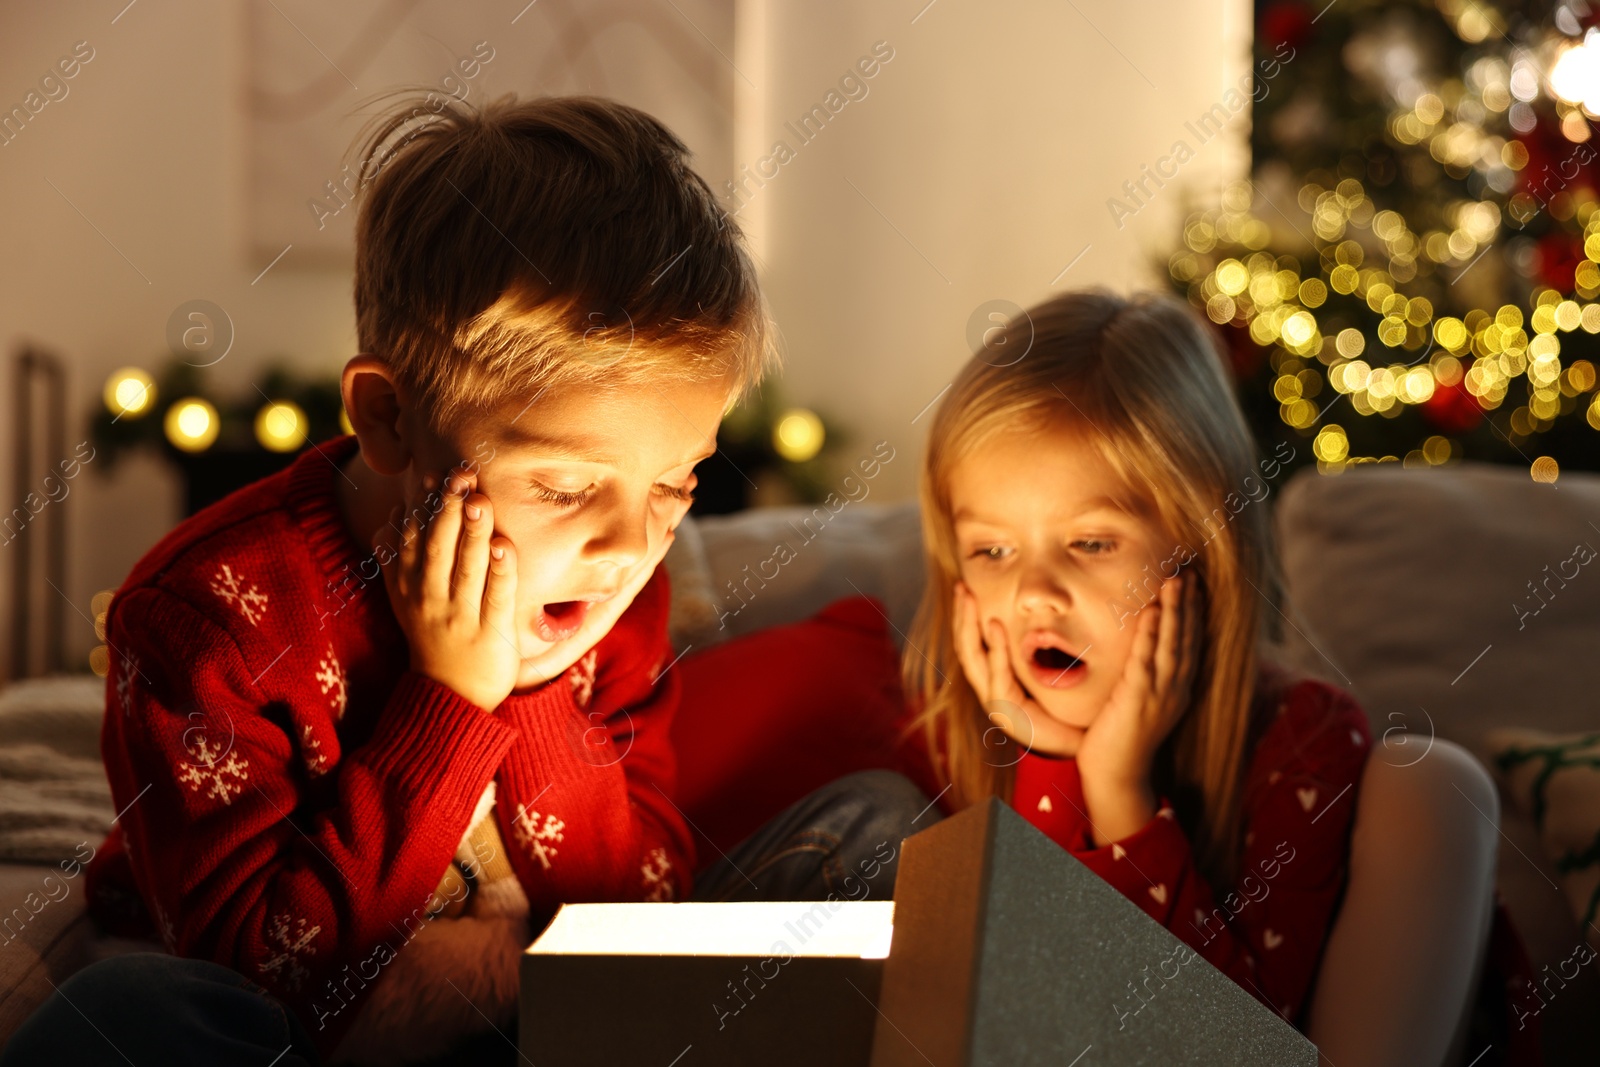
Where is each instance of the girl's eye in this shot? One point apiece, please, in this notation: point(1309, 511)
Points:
point(1098, 547)
point(558, 498)
point(990, 553)
point(676, 492)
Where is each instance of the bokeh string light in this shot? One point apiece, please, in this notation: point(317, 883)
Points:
point(1365, 313)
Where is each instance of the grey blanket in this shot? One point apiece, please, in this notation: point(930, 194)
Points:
point(53, 790)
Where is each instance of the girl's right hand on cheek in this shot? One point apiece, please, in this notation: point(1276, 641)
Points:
point(452, 584)
point(985, 658)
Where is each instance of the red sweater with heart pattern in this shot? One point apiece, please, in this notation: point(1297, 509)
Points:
point(1267, 930)
point(290, 793)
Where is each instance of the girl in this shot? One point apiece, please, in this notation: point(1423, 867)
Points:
point(1101, 585)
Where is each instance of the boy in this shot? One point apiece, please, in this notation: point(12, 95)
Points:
point(445, 636)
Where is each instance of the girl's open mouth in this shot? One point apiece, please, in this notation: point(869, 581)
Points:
point(1056, 668)
point(559, 621)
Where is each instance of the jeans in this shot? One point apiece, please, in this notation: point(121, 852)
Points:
point(148, 1008)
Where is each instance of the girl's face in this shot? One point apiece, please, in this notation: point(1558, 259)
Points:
point(1048, 545)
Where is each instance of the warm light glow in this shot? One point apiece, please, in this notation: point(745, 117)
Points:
point(129, 392)
point(281, 426)
point(857, 929)
point(1298, 328)
point(1416, 385)
point(1232, 277)
point(1576, 77)
point(1452, 333)
point(192, 424)
point(1331, 444)
point(798, 435)
point(1350, 343)
point(344, 421)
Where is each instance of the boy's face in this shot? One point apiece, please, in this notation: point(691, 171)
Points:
point(587, 482)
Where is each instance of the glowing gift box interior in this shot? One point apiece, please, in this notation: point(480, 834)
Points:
point(999, 950)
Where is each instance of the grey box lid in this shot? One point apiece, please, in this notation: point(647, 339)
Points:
point(1008, 951)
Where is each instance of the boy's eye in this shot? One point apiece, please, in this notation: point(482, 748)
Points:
point(676, 492)
point(560, 499)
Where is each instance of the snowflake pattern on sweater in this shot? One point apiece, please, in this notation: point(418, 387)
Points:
point(124, 681)
point(330, 676)
point(657, 886)
point(316, 762)
point(290, 940)
point(292, 793)
point(213, 771)
point(581, 675)
point(539, 840)
point(252, 603)
point(1266, 931)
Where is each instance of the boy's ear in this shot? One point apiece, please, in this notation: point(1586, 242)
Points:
point(373, 403)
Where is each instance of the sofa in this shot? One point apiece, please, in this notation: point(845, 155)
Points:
point(1399, 581)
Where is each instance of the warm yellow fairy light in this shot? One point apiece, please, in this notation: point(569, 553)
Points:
point(1232, 277)
point(798, 435)
point(129, 392)
point(1575, 77)
point(1331, 444)
point(1416, 385)
point(1451, 333)
point(1298, 328)
point(281, 426)
point(192, 424)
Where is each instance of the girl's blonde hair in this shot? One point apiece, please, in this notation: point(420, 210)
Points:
point(1141, 378)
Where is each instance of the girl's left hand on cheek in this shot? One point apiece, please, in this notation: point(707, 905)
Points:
point(1115, 757)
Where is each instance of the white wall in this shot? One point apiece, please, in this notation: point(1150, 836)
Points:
point(990, 144)
point(987, 147)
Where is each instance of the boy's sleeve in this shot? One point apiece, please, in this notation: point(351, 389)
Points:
point(236, 865)
point(1267, 932)
point(584, 795)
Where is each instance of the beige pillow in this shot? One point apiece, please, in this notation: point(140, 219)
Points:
point(1554, 779)
point(692, 621)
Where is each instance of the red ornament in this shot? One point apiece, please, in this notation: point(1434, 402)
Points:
point(1285, 22)
point(1245, 357)
point(1555, 165)
point(1559, 255)
point(1451, 409)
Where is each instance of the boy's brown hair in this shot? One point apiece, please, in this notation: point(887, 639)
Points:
point(530, 242)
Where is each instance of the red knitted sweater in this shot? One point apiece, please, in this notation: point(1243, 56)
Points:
point(1268, 929)
point(290, 793)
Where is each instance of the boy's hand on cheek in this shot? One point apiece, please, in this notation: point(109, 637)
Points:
point(452, 584)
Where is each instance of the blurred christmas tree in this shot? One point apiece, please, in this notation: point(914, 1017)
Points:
point(1410, 272)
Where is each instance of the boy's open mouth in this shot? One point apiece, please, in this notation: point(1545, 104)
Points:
point(560, 620)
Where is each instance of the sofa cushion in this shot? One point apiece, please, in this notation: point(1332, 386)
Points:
point(779, 565)
point(1415, 589)
point(1411, 588)
point(766, 718)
